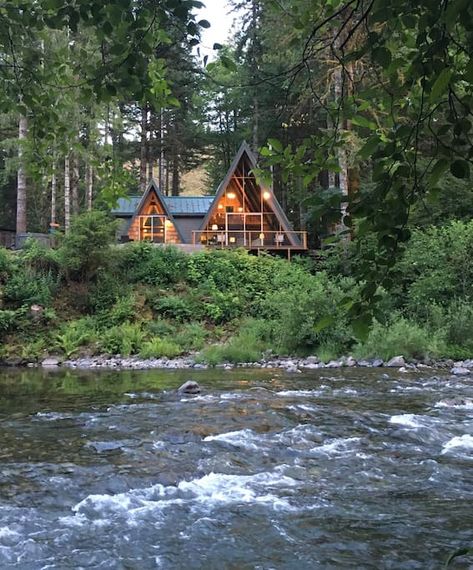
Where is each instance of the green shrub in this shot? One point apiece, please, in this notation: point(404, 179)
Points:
point(6, 264)
point(191, 336)
point(401, 337)
point(222, 307)
point(75, 334)
point(27, 288)
point(123, 310)
point(106, 291)
point(161, 327)
point(159, 348)
point(247, 346)
point(39, 258)
point(146, 263)
point(8, 320)
point(124, 339)
point(298, 306)
point(174, 307)
point(455, 322)
point(86, 247)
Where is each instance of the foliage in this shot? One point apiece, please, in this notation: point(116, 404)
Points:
point(146, 263)
point(404, 337)
point(86, 247)
point(191, 336)
point(124, 339)
point(159, 348)
point(75, 334)
point(246, 346)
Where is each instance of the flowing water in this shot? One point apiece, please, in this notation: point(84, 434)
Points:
point(342, 469)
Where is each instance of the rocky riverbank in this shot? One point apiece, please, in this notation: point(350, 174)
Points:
point(291, 365)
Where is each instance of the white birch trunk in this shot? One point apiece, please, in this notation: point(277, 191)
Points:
point(21, 178)
point(53, 196)
point(89, 174)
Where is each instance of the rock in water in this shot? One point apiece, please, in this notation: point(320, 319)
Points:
point(50, 362)
point(189, 387)
point(396, 362)
point(460, 371)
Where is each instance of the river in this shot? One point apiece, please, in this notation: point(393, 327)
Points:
point(263, 470)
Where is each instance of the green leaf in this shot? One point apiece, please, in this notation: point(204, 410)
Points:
point(363, 122)
point(460, 168)
point(369, 147)
point(323, 323)
point(361, 327)
point(439, 168)
point(275, 144)
point(441, 84)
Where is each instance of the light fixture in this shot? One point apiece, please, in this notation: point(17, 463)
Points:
point(231, 195)
point(220, 206)
point(240, 209)
point(168, 222)
point(266, 195)
point(214, 227)
point(261, 237)
point(232, 239)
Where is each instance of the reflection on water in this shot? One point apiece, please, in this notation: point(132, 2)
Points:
point(261, 470)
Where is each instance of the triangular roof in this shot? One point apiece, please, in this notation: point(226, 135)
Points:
point(278, 211)
point(153, 187)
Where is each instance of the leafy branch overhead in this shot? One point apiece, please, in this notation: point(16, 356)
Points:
point(404, 103)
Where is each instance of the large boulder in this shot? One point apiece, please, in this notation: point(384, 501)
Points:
point(396, 362)
point(50, 362)
point(189, 387)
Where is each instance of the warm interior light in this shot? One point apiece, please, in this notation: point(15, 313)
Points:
point(168, 223)
point(232, 239)
point(214, 227)
point(220, 206)
point(231, 195)
point(261, 237)
point(240, 209)
point(266, 195)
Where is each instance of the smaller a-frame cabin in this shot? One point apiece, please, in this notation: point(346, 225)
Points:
point(241, 214)
point(246, 214)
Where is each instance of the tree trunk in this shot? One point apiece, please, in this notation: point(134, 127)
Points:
point(75, 184)
point(67, 195)
point(53, 197)
point(144, 147)
point(89, 185)
point(175, 175)
point(21, 178)
point(151, 148)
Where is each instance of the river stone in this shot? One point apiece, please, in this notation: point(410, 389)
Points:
point(460, 371)
point(396, 362)
point(189, 387)
point(50, 362)
point(350, 362)
point(312, 360)
point(334, 364)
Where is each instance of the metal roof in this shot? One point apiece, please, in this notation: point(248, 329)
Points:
point(126, 206)
point(189, 205)
point(177, 205)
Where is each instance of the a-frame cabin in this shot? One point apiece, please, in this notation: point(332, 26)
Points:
point(246, 214)
point(152, 220)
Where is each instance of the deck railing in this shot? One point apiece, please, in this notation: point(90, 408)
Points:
point(251, 239)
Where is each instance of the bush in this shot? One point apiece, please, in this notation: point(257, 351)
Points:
point(159, 348)
point(191, 336)
point(296, 309)
point(75, 334)
point(27, 288)
point(175, 307)
point(86, 247)
point(247, 346)
point(146, 263)
point(401, 337)
point(125, 339)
